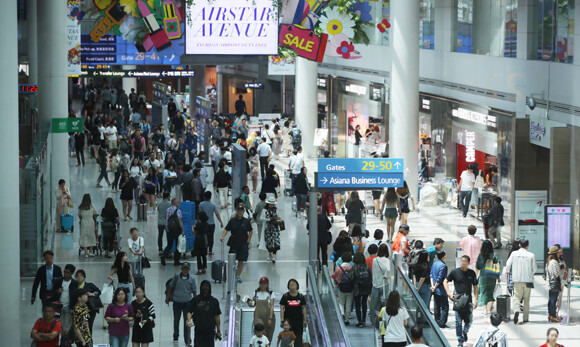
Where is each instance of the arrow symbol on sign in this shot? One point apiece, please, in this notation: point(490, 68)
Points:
point(324, 180)
point(398, 165)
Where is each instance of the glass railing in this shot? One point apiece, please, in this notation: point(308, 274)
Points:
point(336, 335)
point(317, 325)
point(234, 317)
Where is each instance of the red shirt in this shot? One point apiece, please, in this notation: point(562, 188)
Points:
point(546, 345)
point(42, 327)
point(369, 262)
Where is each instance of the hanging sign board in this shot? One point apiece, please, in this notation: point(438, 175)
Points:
point(304, 42)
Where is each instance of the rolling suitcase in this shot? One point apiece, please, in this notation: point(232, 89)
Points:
point(504, 307)
point(141, 212)
point(67, 223)
point(218, 269)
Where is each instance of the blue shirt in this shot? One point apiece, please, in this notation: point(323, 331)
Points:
point(438, 274)
point(170, 211)
point(209, 208)
point(49, 274)
point(432, 251)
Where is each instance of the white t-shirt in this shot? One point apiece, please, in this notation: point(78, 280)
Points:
point(264, 149)
point(64, 296)
point(381, 269)
point(297, 163)
point(264, 296)
point(254, 341)
point(135, 246)
point(155, 164)
point(417, 345)
point(102, 130)
point(111, 133)
point(135, 171)
point(393, 327)
point(467, 180)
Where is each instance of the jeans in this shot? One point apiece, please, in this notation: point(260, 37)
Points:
point(300, 201)
point(103, 174)
point(172, 237)
point(460, 328)
point(377, 295)
point(210, 233)
point(160, 229)
point(552, 300)
point(116, 180)
point(180, 309)
point(136, 267)
point(80, 156)
point(108, 240)
point(440, 309)
point(118, 340)
point(464, 199)
point(425, 294)
point(360, 307)
point(345, 303)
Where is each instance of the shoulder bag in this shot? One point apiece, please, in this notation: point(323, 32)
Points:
point(491, 269)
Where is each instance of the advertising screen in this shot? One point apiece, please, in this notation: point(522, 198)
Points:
point(559, 221)
point(232, 27)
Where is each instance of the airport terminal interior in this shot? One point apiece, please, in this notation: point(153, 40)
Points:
point(290, 173)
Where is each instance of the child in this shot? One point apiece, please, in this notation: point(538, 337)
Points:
point(286, 338)
point(259, 340)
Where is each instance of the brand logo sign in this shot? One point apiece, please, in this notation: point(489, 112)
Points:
point(304, 42)
point(469, 146)
point(475, 117)
point(232, 27)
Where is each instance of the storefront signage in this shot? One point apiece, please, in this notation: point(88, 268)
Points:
point(537, 131)
point(351, 165)
point(136, 73)
point(232, 27)
point(67, 125)
point(321, 83)
point(425, 104)
point(356, 89)
point(558, 225)
point(475, 117)
point(540, 129)
point(469, 146)
point(254, 85)
point(27, 88)
point(304, 42)
point(359, 180)
point(281, 66)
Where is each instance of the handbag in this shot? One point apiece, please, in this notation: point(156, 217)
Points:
point(555, 283)
point(262, 242)
point(107, 293)
point(181, 244)
point(491, 269)
point(328, 237)
point(281, 225)
point(460, 302)
point(145, 262)
point(94, 303)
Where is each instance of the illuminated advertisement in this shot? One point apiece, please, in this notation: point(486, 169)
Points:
point(73, 37)
point(135, 32)
point(232, 27)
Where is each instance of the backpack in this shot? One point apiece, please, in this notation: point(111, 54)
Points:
point(346, 283)
point(404, 204)
point(138, 144)
point(173, 222)
point(358, 246)
point(413, 257)
point(189, 125)
point(364, 281)
point(167, 286)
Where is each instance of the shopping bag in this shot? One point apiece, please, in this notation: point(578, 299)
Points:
point(107, 293)
point(306, 338)
point(262, 242)
point(181, 244)
point(491, 270)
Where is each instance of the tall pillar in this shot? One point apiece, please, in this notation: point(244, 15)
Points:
point(128, 82)
point(527, 35)
point(9, 208)
point(196, 86)
point(31, 19)
point(306, 102)
point(404, 105)
point(446, 25)
point(220, 92)
point(52, 81)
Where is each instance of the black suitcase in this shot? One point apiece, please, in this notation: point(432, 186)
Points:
point(139, 281)
point(504, 306)
point(218, 269)
point(141, 212)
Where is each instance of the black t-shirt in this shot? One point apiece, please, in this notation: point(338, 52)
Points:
point(204, 310)
point(463, 281)
point(239, 229)
point(357, 137)
point(293, 307)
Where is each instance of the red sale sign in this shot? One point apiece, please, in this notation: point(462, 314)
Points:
point(304, 42)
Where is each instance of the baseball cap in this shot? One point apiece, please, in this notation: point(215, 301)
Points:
point(185, 265)
point(264, 280)
point(404, 226)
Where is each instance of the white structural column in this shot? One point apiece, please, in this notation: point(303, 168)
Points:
point(9, 208)
point(446, 25)
point(32, 41)
point(306, 110)
point(128, 82)
point(52, 81)
point(220, 91)
point(404, 106)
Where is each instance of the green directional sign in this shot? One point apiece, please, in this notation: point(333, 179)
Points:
point(67, 125)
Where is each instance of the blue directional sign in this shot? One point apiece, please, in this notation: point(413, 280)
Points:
point(361, 165)
point(359, 180)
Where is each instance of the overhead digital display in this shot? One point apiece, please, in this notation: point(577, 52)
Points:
point(232, 27)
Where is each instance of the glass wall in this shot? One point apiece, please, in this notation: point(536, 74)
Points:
point(487, 27)
point(427, 24)
point(556, 30)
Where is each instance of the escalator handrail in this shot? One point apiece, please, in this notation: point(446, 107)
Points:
point(230, 340)
point(322, 326)
point(330, 285)
point(424, 308)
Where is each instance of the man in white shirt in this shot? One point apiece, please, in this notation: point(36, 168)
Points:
point(522, 265)
point(268, 134)
point(102, 131)
point(265, 153)
point(152, 162)
point(111, 133)
point(465, 184)
point(295, 164)
point(65, 295)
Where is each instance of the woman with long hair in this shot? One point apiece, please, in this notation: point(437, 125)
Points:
point(272, 229)
point(421, 276)
point(92, 291)
point(263, 301)
point(404, 195)
point(122, 268)
point(150, 185)
point(254, 168)
point(135, 170)
point(355, 209)
point(389, 210)
point(119, 315)
point(109, 218)
point(88, 218)
point(363, 285)
point(128, 184)
point(343, 243)
point(144, 319)
point(393, 319)
point(486, 284)
point(554, 277)
point(63, 202)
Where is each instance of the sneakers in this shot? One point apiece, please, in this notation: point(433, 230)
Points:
point(516, 317)
point(239, 279)
point(464, 337)
point(163, 261)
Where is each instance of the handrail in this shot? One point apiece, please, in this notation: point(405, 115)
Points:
point(322, 327)
point(329, 285)
point(231, 308)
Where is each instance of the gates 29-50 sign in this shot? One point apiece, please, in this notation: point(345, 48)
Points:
point(304, 42)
